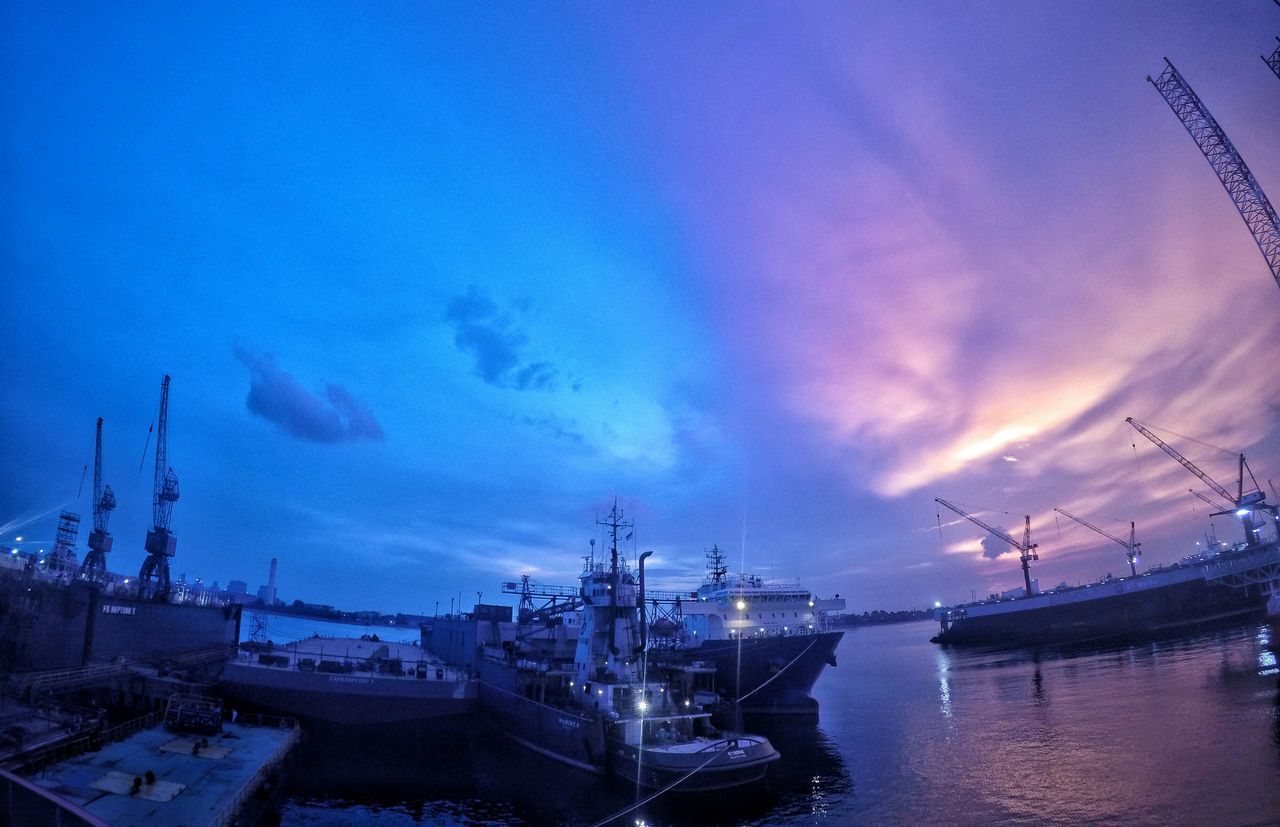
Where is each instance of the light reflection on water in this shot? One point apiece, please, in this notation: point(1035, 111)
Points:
point(1183, 731)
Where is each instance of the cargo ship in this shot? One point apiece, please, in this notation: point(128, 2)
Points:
point(1224, 583)
point(607, 710)
point(346, 682)
point(767, 642)
point(1202, 588)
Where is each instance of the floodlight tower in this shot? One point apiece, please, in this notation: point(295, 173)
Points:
point(161, 544)
point(94, 566)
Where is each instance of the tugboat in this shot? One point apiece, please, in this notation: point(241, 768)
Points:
point(604, 711)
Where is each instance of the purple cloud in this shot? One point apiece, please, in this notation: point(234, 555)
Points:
point(335, 416)
point(488, 335)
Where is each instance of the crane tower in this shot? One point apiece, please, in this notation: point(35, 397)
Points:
point(1245, 191)
point(161, 544)
point(1026, 548)
point(94, 567)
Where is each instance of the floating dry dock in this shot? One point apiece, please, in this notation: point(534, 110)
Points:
point(159, 776)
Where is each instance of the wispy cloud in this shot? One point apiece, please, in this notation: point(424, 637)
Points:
point(494, 340)
point(335, 415)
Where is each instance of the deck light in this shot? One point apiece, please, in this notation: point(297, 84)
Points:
point(742, 604)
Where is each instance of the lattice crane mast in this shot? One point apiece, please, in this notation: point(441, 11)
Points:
point(1131, 546)
point(1243, 504)
point(1245, 191)
point(94, 566)
point(161, 544)
point(1273, 62)
point(1026, 549)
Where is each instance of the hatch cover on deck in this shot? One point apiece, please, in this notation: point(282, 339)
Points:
point(121, 783)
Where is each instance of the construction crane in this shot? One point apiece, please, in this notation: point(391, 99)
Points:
point(1243, 504)
point(1203, 497)
point(1131, 552)
point(1273, 62)
point(161, 544)
point(1245, 191)
point(1026, 549)
point(94, 567)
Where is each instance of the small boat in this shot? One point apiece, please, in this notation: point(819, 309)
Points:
point(606, 711)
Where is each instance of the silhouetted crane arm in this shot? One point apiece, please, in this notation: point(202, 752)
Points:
point(1107, 534)
point(1003, 535)
point(1186, 463)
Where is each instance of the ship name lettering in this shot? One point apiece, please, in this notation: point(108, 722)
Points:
point(341, 679)
point(569, 722)
point(112, 609)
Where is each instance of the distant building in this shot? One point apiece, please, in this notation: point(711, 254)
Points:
point(238, 587)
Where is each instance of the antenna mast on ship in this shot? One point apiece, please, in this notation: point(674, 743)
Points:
point(716, 568)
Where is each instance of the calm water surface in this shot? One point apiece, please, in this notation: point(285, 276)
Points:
point(1182, 731)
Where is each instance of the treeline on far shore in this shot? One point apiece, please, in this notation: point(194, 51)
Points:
point(881, 616)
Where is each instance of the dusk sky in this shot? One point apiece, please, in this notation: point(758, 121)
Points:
point(436, 283)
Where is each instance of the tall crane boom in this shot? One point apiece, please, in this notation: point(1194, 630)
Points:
point(1130, 546)
point(1245, 191)
point(1273, 62)
point(161, 544)
point(1244, 504)
point(1186, 463)
point(94, 566)
point(1026, 549)
point(1203, 498)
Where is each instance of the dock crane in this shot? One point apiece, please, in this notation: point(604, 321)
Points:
point(1245, 191)
point(1273, 62)
point(94, 567)
point(1131, 552)
point(1203, 497)
point(161, 544)
point(1026, 549)
point(1243, 504)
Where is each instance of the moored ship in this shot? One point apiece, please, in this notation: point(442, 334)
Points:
point(1200, 589)
point(767, 642)
point(604, 711)
point(347, 682)
point(1226, 583)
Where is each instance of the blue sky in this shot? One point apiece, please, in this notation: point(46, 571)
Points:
point(436, 283)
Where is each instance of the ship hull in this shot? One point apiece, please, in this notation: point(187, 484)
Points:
point(690, 772)
point(567, 736)
point(1136, 607)
point(768, 675)
point(347, 682)
point(55, 626)
point(344, 700)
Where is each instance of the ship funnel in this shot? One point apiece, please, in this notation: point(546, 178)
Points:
point(644, 622)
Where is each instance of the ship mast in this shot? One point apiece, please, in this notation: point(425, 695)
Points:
point(716, 568)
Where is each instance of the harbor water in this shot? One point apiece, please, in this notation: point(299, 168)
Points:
point(1177, 731)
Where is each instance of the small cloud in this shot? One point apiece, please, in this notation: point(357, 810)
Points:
point(993, 547)
point(492, 339)
point(334, 416)
point(1009, 459)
